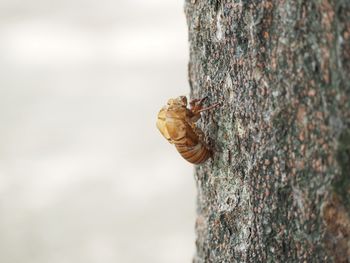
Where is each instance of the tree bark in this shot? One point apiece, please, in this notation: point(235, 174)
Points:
point(278, 186)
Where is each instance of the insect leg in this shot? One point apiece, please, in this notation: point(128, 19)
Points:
point(196, 108)
point(209, 107)
point(197, 103)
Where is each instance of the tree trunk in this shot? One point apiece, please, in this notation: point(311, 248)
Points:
point(278, 186)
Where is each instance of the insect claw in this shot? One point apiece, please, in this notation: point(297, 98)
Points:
point(198, 101)
point(203, 99)
point(210, 107)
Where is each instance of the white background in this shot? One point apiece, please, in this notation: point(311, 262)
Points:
point(84, 174)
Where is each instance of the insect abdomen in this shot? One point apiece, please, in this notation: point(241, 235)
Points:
point(194, 154)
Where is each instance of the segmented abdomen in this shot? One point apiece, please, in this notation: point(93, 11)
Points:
point(194, 154)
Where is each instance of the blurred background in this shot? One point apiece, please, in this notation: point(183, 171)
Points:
point(84, 174)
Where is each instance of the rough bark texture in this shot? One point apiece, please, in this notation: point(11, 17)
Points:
point(278, 186)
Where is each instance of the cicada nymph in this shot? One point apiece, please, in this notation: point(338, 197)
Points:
point(176, 123)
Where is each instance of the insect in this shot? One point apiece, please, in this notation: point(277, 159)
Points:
point(176, 123)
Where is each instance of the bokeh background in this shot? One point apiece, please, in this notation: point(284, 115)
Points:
point(84, 174)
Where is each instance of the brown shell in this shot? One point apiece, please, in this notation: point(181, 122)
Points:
point(174, 123)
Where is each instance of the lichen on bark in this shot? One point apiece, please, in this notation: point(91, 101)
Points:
point(280, 172)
